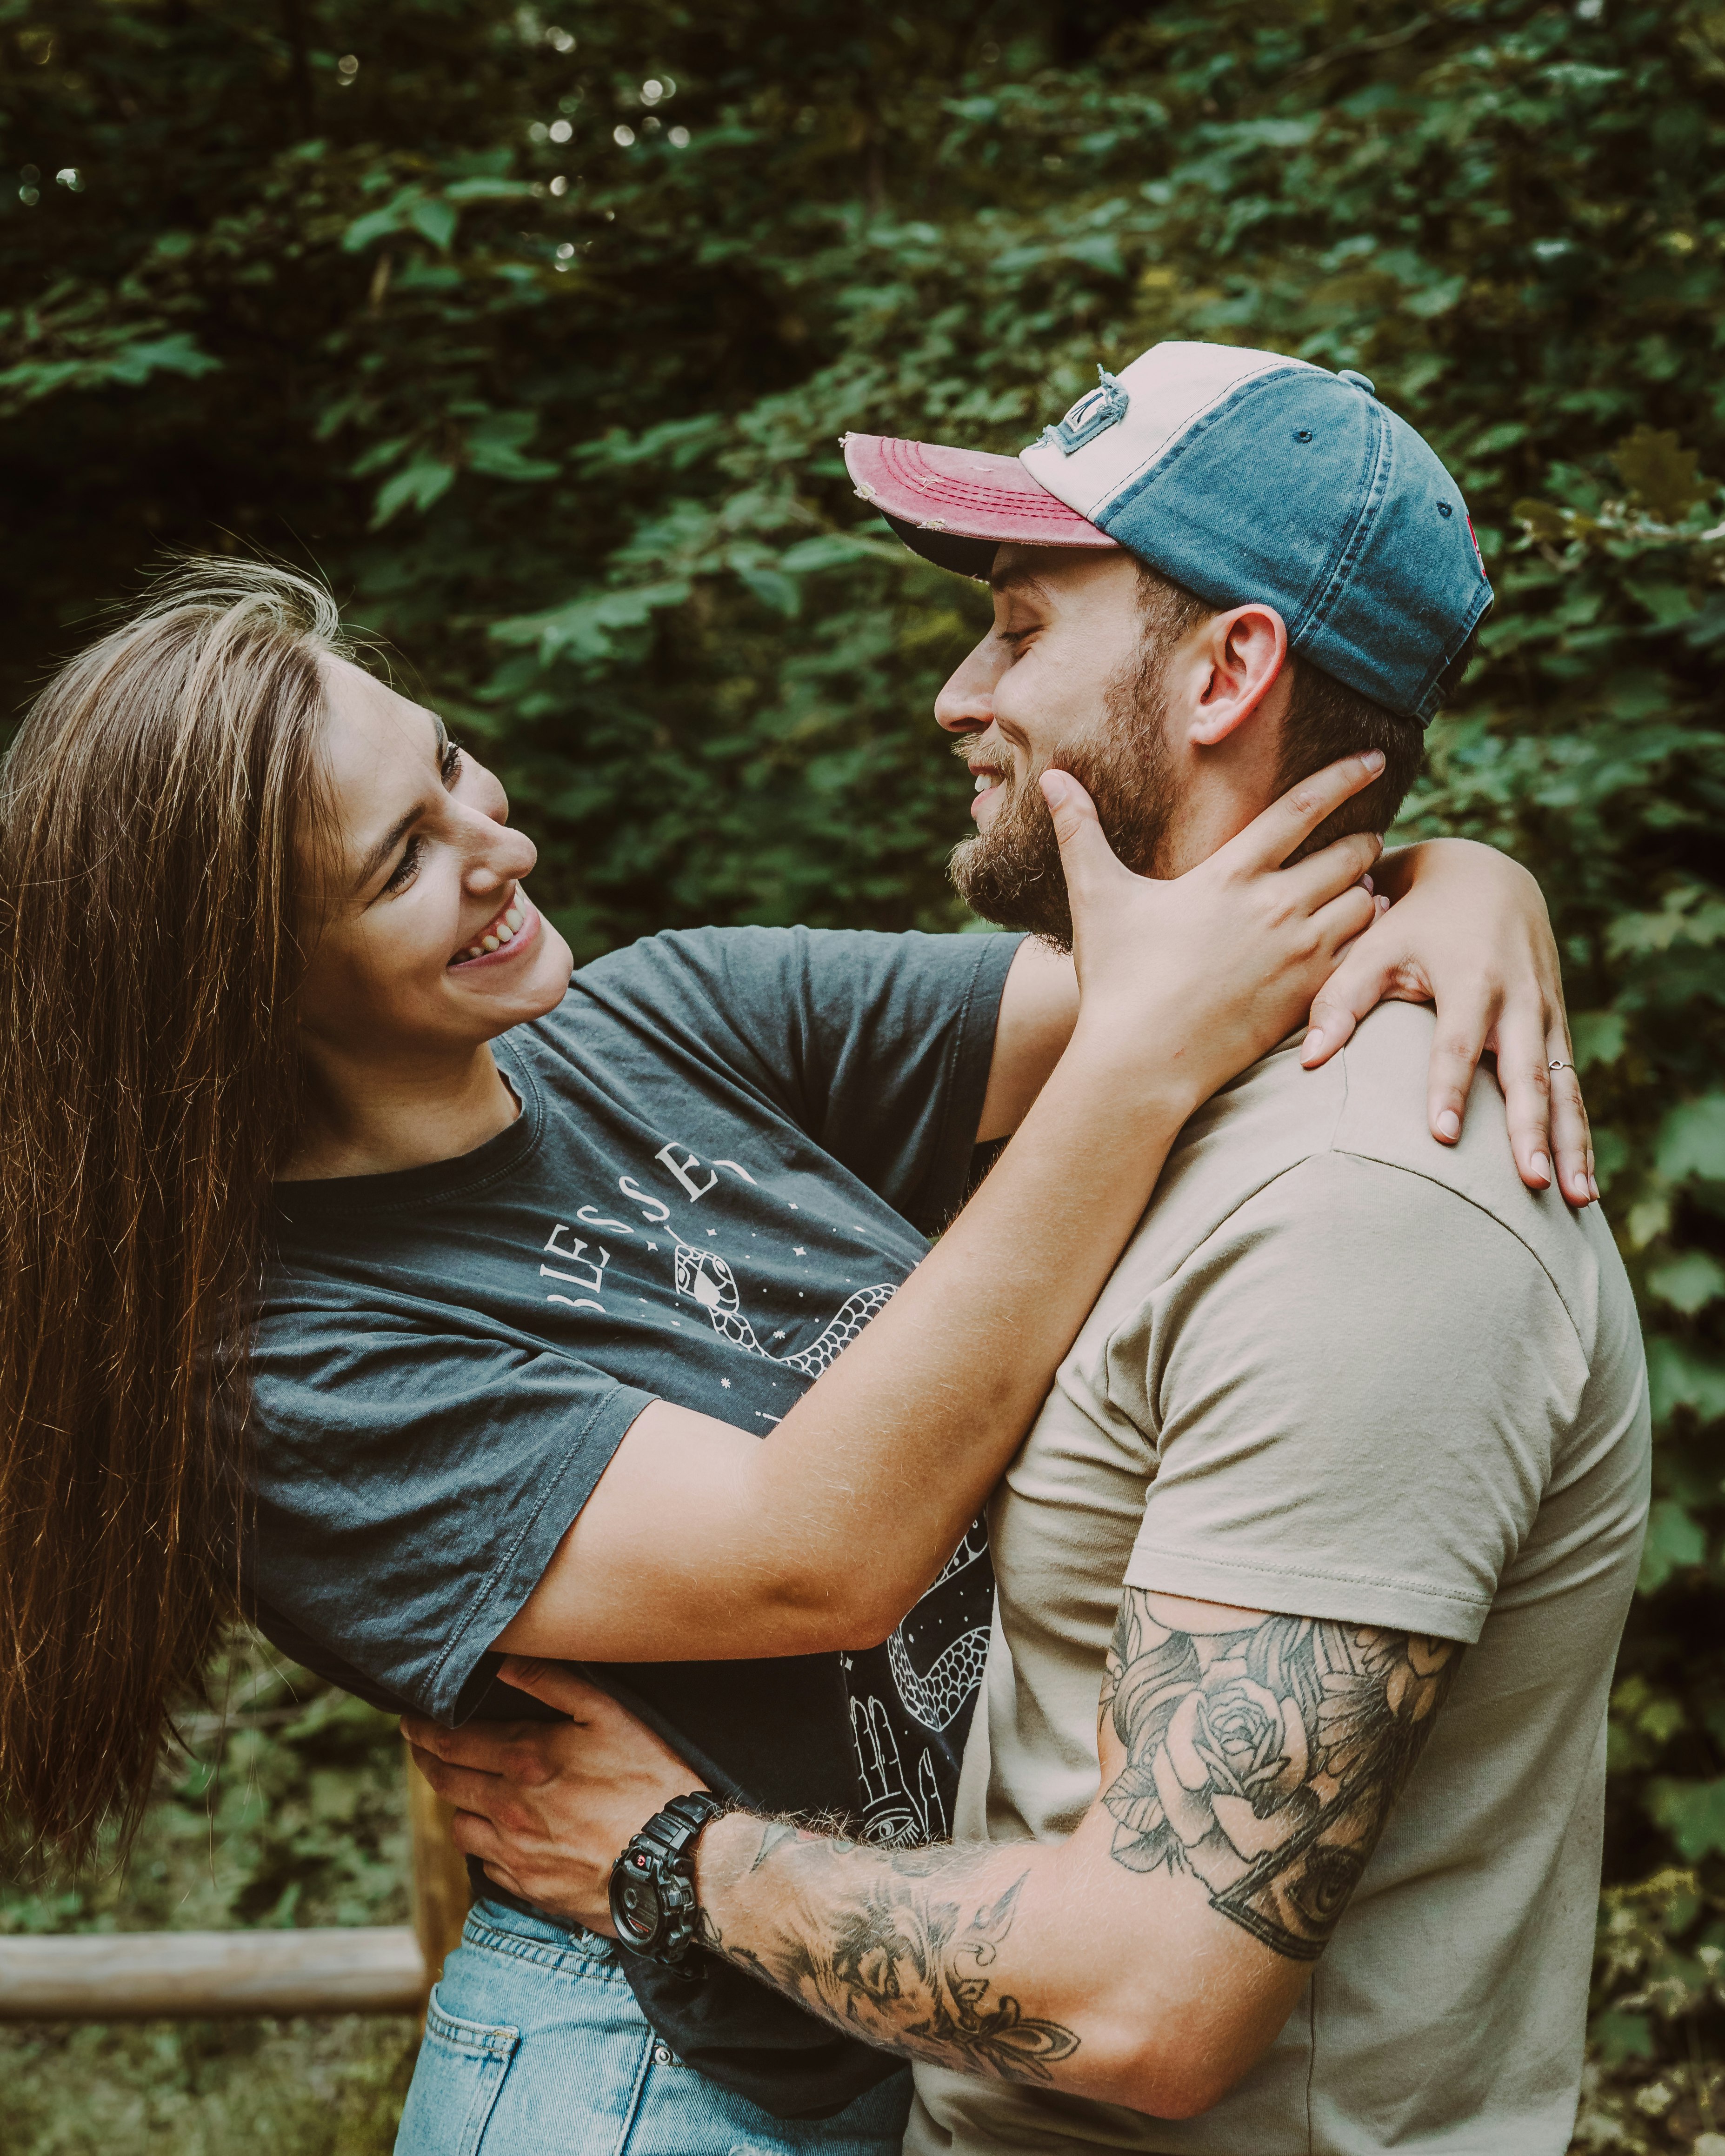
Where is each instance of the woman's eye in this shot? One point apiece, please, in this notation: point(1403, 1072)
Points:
point(451, 765)
point(407, 867)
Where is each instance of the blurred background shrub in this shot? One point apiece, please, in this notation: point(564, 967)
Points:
point(536, 328)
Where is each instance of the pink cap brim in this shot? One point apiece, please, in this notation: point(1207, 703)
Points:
point(963, 492)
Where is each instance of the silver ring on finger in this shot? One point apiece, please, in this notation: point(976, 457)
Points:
point(1560, 1066)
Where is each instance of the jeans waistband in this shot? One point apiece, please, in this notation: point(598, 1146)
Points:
point(500, 1928)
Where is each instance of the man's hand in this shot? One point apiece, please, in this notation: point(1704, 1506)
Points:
point(546, 1807)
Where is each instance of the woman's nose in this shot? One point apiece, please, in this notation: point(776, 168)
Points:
point(509, 856)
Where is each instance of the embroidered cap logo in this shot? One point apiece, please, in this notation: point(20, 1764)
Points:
point(1095, 411)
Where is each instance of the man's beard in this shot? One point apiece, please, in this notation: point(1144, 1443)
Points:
point(1011, 873)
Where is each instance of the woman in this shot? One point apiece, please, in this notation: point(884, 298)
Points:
point(555, 1280)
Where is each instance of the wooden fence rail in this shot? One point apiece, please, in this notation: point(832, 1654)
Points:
point(119, 1976)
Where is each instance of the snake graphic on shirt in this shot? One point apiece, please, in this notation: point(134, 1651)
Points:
point(899, 1805)
point(704, 1277)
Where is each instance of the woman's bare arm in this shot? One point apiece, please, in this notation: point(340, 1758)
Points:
point(702, 1541)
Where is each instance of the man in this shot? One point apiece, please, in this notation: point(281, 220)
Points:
point(1336, 1504)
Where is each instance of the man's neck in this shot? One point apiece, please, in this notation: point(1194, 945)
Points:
point(372, 1119)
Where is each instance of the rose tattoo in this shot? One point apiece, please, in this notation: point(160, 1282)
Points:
point(1264, 1760)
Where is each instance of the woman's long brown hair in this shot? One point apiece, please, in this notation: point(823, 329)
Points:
point(157, 812)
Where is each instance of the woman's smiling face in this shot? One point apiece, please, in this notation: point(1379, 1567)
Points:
point(430, 944)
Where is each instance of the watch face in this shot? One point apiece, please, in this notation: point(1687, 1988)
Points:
point(635, 1907)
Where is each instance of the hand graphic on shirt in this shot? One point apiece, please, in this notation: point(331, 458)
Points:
point(893, 1811)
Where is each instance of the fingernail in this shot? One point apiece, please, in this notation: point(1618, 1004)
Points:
point(1542, 1167)
point(1054, 787)
point(1594, 1189)
point(1448, 1124)
point(1383, 903)
point(1313, 1041)
point(1372, 759)
point(1366, 883)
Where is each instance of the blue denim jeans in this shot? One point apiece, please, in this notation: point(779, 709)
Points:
point(534, 2046)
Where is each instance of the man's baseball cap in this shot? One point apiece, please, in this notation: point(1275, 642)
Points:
point(1242, 475)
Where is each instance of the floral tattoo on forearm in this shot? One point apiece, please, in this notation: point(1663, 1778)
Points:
point(899, 1953)
point(1263, 1761)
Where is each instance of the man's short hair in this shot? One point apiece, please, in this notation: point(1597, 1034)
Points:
point(1326, 719)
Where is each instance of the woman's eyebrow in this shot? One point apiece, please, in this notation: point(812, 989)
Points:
point(385, 846)
point(377, 854)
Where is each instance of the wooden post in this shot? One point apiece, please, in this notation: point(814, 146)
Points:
point(441, 1892)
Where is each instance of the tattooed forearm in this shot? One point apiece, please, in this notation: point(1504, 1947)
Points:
point(896, 1946)
point(1264, 1760)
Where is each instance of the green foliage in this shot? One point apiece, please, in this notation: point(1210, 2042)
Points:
point(285, 1807)
point(437, 294)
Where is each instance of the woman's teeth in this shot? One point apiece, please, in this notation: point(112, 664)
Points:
point(503, 930)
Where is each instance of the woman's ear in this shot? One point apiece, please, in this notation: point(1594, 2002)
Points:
point(1240, 659)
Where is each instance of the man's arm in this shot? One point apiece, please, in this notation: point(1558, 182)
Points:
point(1249, 1762)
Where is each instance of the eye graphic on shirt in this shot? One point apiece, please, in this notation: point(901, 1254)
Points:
point(704, 1278)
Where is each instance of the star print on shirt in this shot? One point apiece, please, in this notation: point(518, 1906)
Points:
point(725, 1382)
point(799, 1252)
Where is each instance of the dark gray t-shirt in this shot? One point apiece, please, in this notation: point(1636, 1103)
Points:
point(730, 1147)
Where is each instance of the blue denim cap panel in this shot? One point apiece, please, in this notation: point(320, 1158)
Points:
point(1302, 491)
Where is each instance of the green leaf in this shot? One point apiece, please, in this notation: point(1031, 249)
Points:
point(585, 628)
point(484, 189)
point(1620, 2036)
point(377, 223)
point(1098, 250)
point(1688, 1283)
point(417, 487)
point(772, 587)
point(1691, 1141)
point(1674, 1542)
point(1598, 1037)
point(436, 221)
point(170, 355)
point(1659, 472)
point(495, 444)
point(1692, 1814)
point(1668, 603)
point(1680, 1376)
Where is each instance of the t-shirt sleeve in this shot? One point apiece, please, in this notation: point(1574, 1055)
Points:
point(1355, 1388)
point(878, 1046)
point(411, 1485)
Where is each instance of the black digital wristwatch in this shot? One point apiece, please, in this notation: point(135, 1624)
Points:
point(654, 1904)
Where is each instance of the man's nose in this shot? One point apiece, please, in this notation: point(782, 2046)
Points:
point(966, 705)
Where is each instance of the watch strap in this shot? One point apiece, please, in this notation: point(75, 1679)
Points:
point(673, 1831)
point(665, 1844)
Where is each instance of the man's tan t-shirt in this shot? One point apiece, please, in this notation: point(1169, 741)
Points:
point(1343, 1371)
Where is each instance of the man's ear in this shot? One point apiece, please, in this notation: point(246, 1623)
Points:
point(1238, 658)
